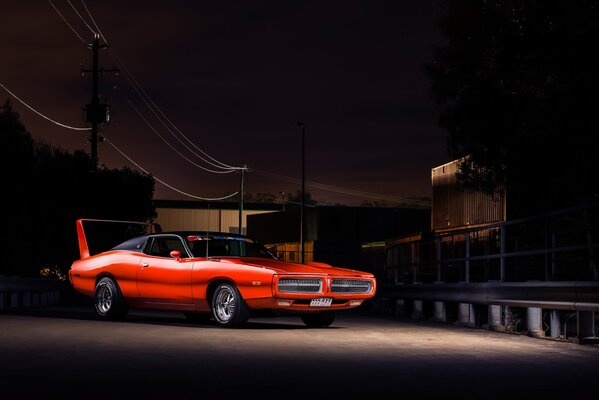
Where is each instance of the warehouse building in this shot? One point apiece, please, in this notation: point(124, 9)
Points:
point(176, 215)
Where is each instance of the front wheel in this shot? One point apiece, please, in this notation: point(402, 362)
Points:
point(319, 320)
point(109, 301)
point(228, 307)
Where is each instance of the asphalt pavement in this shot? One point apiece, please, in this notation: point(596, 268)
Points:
point(65, 352)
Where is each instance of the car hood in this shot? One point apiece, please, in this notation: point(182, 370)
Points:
point(282, 267)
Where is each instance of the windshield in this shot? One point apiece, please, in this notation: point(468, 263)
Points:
point(226, 246)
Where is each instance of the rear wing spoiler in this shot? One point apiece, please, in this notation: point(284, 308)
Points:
point(84, 248)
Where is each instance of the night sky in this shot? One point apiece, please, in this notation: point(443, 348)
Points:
point(235, 78)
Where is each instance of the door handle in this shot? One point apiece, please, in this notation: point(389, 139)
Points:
point(144, 265)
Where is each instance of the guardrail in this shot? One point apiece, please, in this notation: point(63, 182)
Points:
point(573, 296)
point(548, 262)
point(18, 292)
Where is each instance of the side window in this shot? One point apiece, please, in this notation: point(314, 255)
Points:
point(156, 248)
point(174, 243)
point(162, 246)
point(148, 247)
point(198, 247)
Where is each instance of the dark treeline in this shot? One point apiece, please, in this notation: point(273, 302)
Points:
point(517, 83)
point(46, 189)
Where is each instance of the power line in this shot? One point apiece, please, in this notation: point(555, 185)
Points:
point(166, 184)
point(148, 102)
point(165, 141)
point(67, 22)
point(154, 107)
point(82, 19)
point(159, 114)
point(337, 189)
point(121, 152)
point(94, 22)
point(135, 88)
point(156, 110)
point(40, 114)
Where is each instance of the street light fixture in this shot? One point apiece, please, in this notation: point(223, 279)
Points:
point(303, 214)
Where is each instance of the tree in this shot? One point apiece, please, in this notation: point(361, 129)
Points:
point(261, 197)
point(297, 199)
point(17, 163)
point(47, 189)
point(517, 84)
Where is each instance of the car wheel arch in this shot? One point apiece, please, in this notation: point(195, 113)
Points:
point(212, 286)
point(105, 275)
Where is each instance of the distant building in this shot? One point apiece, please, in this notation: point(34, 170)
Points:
point(338, 235)
point(175, 215)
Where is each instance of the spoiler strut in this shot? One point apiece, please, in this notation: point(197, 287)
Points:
point(84, 247)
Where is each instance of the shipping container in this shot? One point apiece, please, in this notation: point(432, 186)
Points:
point(455, 207)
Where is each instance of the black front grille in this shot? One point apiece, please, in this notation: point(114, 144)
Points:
point(351, 286)
point(300, 285)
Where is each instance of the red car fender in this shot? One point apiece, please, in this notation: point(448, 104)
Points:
point(252, 282)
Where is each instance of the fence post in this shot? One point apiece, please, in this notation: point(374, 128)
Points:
point(438, 253)
point(502, 253)
point(467, 263)
point(534, 323)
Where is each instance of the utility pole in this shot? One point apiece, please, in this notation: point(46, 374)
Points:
point(241, 199)
point(96, 113)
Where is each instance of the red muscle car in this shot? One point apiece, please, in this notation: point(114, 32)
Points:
point(206, 275)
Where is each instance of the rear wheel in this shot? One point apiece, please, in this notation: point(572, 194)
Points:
point(228, 307)
point(109, 301)
point(319, 320)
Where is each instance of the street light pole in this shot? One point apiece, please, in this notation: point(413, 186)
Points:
point(303, 213)
point(241, 199)
point(283, 199)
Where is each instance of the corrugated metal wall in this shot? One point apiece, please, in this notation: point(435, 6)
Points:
point(454, 207)
point(189, 219)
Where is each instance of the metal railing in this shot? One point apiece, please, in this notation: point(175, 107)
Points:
point(558, 246)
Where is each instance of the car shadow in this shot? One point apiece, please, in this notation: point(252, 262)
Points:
point(151, 317)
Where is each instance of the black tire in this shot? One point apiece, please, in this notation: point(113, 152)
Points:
point(197, 318)
point(319, 320)
point(108, 300)
point(228, 308)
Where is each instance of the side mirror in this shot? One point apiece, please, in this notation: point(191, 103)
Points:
point(176, 254)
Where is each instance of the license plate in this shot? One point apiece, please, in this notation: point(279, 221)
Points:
point(321, 302)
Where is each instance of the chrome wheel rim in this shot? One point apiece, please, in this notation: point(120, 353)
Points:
point(104, 299)
point(224, 305)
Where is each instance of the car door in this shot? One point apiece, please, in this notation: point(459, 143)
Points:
point(162, 280)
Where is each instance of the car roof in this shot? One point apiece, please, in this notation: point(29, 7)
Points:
point(200, 233)
point(136, 243)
